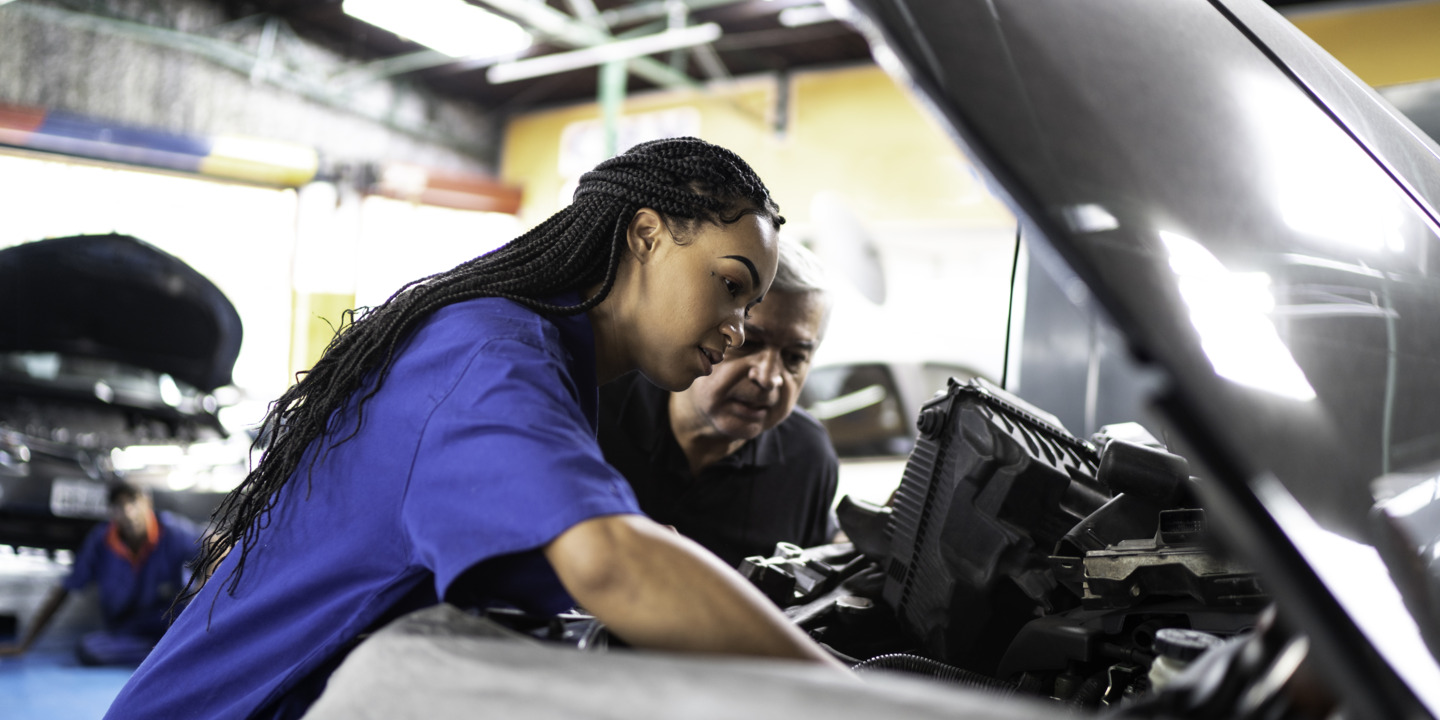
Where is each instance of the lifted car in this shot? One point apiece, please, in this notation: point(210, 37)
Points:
point(110, 352)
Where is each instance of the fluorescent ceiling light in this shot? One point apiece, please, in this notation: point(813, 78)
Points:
point(805, 15)
point(453, 27)
point(600, 54)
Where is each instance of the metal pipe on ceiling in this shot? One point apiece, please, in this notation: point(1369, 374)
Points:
point(602, 54)
point(564, 29)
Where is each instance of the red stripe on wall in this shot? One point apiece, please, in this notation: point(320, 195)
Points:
point(18, 123)
point(20, 118)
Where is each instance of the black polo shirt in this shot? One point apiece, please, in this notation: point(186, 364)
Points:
point(777, 487)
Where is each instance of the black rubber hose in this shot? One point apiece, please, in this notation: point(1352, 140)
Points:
point(1090, 692)
point(917, 665)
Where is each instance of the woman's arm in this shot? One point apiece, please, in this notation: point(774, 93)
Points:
point(659, 590)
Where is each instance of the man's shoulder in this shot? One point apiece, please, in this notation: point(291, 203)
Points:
point(632, 384)
point(615, 392)
point(96, 534)
point(799, 441)
point(799, 417)
point(802, 426)
point(180, 525)
point(630, 398)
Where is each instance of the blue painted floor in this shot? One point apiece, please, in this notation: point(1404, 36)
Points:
point(48, 683)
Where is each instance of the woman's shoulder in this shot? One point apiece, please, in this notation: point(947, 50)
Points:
point(499, 323)
point(492, 318)
point(488, 342)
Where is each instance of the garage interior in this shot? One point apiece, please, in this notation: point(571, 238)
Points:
point(308, 162)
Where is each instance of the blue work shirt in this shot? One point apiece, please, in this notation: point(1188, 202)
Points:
point(136, 592)
point(477, 451)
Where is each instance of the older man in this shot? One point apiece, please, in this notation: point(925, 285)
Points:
point(730, 462)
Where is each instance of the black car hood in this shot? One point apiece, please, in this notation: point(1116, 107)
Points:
point(1178, 166)
point(1126, 132)
point(117, 298)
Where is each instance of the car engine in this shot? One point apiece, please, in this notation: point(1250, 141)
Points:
point(1017, 558)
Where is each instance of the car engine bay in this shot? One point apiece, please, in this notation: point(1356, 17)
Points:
point(1017, 560)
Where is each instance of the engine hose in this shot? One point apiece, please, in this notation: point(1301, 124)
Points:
point(1090, 692)
point(917, 665)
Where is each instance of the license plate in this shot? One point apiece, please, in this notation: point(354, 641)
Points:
point(79, 499)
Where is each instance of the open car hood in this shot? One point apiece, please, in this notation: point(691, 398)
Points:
point(117, 298)
point(1261, 228)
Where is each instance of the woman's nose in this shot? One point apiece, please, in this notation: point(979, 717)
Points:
point(734, 332)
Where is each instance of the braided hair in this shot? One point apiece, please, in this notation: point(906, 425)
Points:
point(686, 180)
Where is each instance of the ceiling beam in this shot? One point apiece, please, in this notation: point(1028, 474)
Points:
point(393, 65)
point(710, 62)
point(640, 12)
point(563, 29)
point(600, 54)
point(586, 12)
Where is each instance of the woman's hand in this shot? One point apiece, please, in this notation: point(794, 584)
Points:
point(657, 589)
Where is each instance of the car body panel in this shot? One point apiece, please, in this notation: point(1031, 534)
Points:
point(115, 297)
point(1257, 225)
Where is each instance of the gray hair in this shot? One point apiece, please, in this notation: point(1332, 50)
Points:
point(799, 270)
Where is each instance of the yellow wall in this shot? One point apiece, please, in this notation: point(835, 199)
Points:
point(849, 130)
point(316, 318)
point(850, 134)
point(855, 132)
point(1386, 44)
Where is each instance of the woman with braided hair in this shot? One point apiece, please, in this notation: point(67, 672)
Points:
point(443, 449)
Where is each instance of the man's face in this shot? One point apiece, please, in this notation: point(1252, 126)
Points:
point(757, 384)
point(132, 515)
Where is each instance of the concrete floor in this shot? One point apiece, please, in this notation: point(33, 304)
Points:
point(47, 682)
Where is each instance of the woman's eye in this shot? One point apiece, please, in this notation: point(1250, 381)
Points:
point(734, 289)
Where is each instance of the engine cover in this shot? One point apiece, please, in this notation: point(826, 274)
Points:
point(990, 488)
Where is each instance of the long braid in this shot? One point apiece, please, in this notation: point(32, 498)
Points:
point(686, 180)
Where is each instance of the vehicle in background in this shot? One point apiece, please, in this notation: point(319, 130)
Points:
point(112, 353)
point(869, 410)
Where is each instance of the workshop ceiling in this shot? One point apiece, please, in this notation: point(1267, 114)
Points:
point(753, 40)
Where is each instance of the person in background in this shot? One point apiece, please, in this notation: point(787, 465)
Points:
point(730, 462)
point(140, 561)
point(443, 450)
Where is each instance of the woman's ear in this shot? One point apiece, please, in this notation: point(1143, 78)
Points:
point(646, 230)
